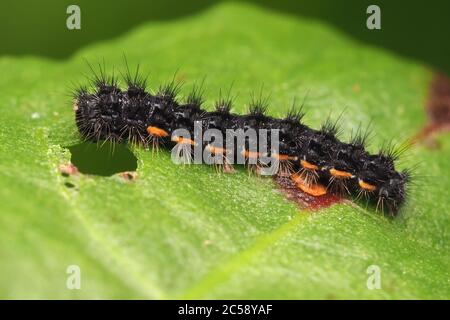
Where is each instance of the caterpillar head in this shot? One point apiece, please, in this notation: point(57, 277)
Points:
point(392, 192)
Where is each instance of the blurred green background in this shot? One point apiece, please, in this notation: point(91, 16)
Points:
point(416, 30)
point(185, 232)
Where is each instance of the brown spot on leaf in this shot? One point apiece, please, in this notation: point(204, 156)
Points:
point(438, 109)
point(304, 200)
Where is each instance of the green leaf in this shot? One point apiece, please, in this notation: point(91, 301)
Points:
point(188, 232)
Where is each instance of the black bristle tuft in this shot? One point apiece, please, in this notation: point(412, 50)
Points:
point(224, 104)
point(170, 90)
point(360, 138)
point(408, 175)
point(330, 128)
point(79, 91)
point(295, 114)
point(136, 83)
point(392, 151)
point(195, 97)
point(102, 82)
point(258, 105)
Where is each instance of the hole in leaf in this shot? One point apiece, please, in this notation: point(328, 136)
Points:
point(103, 159)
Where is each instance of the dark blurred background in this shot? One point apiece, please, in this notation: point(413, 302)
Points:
point(414, 29)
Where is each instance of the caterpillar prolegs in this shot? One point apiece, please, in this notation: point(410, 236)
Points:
point(316, 160)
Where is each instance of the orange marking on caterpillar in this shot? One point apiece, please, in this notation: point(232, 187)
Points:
point(182, 140)
point(303, 199)
point(250, 154)
point(308, 165)
point(157, 132)
point(366, 186)
point(315, 189)
point(216, 150)
point(283, 157)
point(340, 174)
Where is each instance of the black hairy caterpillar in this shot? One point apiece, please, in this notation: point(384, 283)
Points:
point(316, 161)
